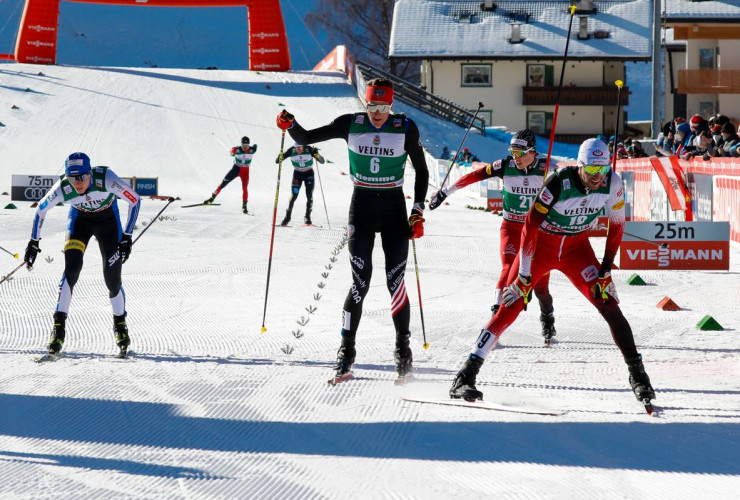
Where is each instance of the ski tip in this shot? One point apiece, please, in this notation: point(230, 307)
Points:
point(338, 380)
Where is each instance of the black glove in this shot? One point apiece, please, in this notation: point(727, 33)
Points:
point(32, 250)
point(124, 247)
point(437, 199)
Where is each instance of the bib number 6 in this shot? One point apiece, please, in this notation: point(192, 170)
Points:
point(375, 165)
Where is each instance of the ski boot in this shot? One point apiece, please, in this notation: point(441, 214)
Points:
point(403, 358)
point(639, 380)
point(121, 331)
point(209, 200)
point(307, 220)
point(345, 359)
point(548, 326)
point(57, 334)
point(286, 220)
point(464, 384)
point(244, 208)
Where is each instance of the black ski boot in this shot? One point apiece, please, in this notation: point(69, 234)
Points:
point(307, 220)
point(286, 220)
point(639, 380)
point(121, 331)
point(403, 356)
point(464, 384)
point(57, 334)
point(548, 326)
point(209, 200)
point(244, 208)
point(345, 359)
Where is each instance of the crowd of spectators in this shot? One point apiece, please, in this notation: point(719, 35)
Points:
point(716, 137)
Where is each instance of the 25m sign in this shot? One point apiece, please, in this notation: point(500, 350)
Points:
point(676, 245)
point(31, 187)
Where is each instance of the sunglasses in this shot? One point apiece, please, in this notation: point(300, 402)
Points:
point(519, 153)
point(383, 108)
point(596, 169)
point(78, 178)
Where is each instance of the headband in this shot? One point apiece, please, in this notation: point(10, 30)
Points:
point(379, 94)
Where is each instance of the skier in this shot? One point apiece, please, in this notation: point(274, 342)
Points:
point(91, 193)
point(242, 160)
point(379, 143)
point(555, 237)
point(301, 157)
point(522, 173)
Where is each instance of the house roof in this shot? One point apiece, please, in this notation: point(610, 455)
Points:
point(688, 11)
point(439, 29)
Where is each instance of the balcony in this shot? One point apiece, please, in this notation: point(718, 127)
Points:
point(574, 96)
point(708, 81)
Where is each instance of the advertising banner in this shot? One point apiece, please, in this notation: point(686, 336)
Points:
point(689, 245)
point(30, 187)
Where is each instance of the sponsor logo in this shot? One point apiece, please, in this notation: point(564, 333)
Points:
point(619, 205)
point(510, 250)
point(598, 153)
point(360, 119)
point(38, 27)
point(378, 92)
point(40, 59)
point(540, 208)
point(376, 140)
point(583, 202)
point(112, 260)
point(524, 190)
point(357, 262)
point(620, 193)
point(664, 256)
point(361, 177)
point(35, 193)
point(526, 182)
point(566, 183)
point(39, 43)
point(99, 183)
point(44, 205)
point(355, 294)
point(390, 273)
point(546, 196)
point(130, 196)
point(590, 273)
point(358, 279)
point(519, 142)
point(264, 51)
point(266, 66)
point(582, 211)
point(496, 165)
point(67, 189)
point(375, 151)
point(262, 35)
point(399, 123)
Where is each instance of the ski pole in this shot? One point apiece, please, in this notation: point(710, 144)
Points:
point(457, 153)
point(272, 236)
point(219, 141)
point(7, 276)
point(619, 84)
point(418, 287)
point(560, 88)
point(322, 196)
point(169, 200)
point(15, 255)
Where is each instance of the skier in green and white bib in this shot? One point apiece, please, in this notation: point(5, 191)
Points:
point(301, 157)
point(379, 143)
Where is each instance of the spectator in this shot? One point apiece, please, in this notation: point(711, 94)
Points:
point(730, 141)
point(664, 142)
point(467, 158)
point(634, 150)
point(682, 144)
point(446, 155)
point(704, 146)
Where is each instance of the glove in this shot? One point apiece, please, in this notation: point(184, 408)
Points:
point(318, 157)
point(124, 247)
point(32, 250)
point(520, 288)
point(437, 199)
point(285, 120)
point(416, 221)
point(604, 288)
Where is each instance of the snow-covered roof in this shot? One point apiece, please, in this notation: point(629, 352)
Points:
point(720, 11)
point(440, 29)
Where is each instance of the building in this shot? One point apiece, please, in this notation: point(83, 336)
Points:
point(509, 55)
point(702, 58)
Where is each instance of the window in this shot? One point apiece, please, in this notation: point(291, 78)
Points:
point(485, 114)
point(706, 58)
point(476, 75)
point(539, 75)
point(706, 108)
point(539, 122)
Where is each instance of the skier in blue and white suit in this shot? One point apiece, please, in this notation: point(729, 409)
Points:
point(91, 194)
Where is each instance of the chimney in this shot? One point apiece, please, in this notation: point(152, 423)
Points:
point(516, 33)
point(488, 5)
point(585, 6)
point(583, 28)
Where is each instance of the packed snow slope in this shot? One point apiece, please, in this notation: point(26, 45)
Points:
point(209, 407)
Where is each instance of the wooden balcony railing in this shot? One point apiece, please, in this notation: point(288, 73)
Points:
point(574, 96)
point(708, 81)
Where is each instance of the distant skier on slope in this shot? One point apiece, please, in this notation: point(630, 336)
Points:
point(91, 193)
point(301, 157)
point(243, 155)
point(523, 174)
point(379, 143)
point(555, 237)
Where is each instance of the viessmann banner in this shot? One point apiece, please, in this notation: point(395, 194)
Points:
point(690, 245)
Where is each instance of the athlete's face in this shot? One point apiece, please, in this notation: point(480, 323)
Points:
point(523, 159)
point(80, 182)
point(378, 113)
point(299, 150)
point(591, 181)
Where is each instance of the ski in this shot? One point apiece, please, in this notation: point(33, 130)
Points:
point(47, 357)
point(201, 205)
point(122, 353)
point(340, 379)
point(486, 405)
point(311, 225)
point(404, 379)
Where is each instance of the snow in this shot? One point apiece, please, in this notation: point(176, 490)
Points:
point(209, 407)
point(431, 28)
point(692, 10)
